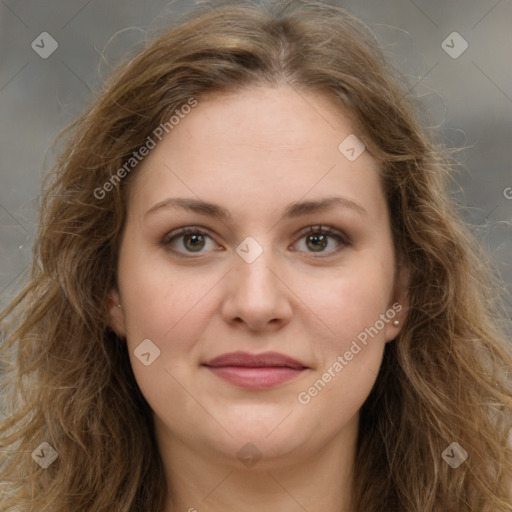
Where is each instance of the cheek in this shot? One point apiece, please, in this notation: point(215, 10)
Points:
point(350, 301)
point(156, 295)
point(170, 305)
point(350, 354)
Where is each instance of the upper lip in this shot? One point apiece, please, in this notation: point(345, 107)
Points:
point(265, 359)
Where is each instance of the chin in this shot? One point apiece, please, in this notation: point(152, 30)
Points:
point(272, 437)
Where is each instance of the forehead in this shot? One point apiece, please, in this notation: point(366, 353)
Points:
point(264, 147)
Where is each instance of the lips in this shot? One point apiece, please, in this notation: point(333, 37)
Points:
point(255, 371)
point(244, 359)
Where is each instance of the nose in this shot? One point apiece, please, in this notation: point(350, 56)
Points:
point(257, 295)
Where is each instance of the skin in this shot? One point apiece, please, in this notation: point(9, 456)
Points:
point(254, 153)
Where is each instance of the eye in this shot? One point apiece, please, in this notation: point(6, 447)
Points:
point(317, 239)
point(193, 239)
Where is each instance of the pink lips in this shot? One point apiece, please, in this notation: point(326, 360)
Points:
point(255, 371)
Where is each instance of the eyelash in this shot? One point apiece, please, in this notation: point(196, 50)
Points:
point(321, 230)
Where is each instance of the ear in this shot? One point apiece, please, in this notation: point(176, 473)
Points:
point(115, 313)
point(398, 306)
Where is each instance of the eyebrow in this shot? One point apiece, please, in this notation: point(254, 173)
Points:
point(293, 210)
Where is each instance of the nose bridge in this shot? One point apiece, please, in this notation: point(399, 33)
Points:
point(254, 265)
point(256, 291)
point(256, 296)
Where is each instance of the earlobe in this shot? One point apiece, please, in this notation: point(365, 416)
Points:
point(394, 325)
point(398, 308)
point(115, 313)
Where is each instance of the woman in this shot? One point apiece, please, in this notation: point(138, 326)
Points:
point(251, 291)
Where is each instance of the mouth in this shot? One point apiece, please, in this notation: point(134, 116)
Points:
point(255, 371)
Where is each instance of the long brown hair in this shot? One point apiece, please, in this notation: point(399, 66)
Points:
point(445, 379)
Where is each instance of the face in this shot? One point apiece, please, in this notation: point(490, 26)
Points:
point(260, 272)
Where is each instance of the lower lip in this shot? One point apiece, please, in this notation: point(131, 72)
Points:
point(256, 378)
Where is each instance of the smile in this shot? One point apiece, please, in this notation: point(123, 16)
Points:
point(255, 371)
point(256, 378)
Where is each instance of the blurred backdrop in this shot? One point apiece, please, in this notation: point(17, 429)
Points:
point(455, 56)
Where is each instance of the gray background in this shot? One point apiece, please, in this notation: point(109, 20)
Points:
point(469, 97)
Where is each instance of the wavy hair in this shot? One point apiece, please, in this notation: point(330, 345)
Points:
point(446, 378)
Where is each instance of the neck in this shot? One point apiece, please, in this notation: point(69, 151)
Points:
point(320, 481)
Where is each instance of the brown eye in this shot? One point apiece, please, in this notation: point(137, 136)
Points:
point(194, 242)
point(318, 238)
point(186, 240)
point(317, 242)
